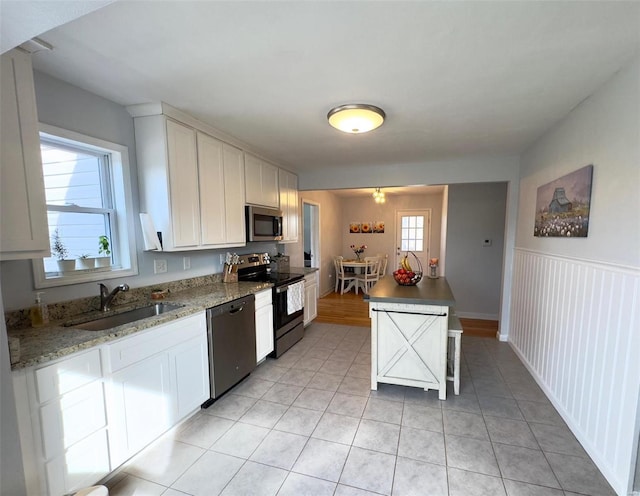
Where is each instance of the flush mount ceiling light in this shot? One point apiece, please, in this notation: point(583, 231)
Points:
point(356, 118)
point(378, 196)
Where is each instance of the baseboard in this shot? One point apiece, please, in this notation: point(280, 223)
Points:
point(479, 316)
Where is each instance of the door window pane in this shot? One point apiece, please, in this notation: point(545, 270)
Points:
point(412, 233)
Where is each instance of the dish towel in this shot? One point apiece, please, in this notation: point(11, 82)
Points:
point(295, 297)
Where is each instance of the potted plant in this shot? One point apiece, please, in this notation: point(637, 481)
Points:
point(61, 253)
point(103, 249)
point(85, 262)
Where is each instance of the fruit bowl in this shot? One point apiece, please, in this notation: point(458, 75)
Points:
point(406, 275)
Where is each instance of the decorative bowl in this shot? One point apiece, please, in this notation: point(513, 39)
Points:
point(406, 275)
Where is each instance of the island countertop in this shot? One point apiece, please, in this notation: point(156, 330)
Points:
point(426, 292)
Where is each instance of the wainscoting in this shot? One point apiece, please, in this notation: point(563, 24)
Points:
point(576, 325)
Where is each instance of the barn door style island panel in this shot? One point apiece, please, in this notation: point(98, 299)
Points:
point(409, 333)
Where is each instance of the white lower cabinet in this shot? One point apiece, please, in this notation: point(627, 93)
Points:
point(83, 416)
point(139, 406)
point(409, 345)
point(264, 324)
point(310, 297)
point(157, 377)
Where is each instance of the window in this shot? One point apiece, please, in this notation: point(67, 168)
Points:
point(88, 198)
point(412, 235)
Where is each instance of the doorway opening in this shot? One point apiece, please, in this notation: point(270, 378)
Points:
point(311, 233)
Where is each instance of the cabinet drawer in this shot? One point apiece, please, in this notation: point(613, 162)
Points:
point(67, 375)
point(80, 466)
point(72, 418)
point(135, 348)
point(263, 298)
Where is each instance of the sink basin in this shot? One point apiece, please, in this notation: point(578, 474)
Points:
point(126, 317)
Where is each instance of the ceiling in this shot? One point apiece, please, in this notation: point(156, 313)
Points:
point(456, 79)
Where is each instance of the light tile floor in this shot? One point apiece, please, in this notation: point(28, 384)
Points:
point(308, 424)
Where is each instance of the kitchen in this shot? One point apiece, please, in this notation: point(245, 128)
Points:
point(70, 107)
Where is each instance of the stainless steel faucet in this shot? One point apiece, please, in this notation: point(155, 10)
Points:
point(106, 297)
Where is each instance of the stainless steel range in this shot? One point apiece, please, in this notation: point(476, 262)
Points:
point(288, 307)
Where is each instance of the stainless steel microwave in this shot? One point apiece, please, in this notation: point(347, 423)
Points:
point(263, 224)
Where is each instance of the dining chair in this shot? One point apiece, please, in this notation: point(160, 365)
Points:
point(369, 275)
point(341, 276)
point(384, 260)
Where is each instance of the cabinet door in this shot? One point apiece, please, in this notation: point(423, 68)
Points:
point(183, 178)
point(234, 188)
point(288, 183)
point(264, 331)
point(270, 192)
point(23, 222)
point(261, 182)
point(212, 190)
point(253, 179)
point(190, 368)
point(310, 301)
point(140, 406)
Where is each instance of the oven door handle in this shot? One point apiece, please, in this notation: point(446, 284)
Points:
point(283, 289)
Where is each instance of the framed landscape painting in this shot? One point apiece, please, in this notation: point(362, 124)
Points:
point(562, 206)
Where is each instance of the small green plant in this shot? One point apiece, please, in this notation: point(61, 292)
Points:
point(57, 246)
point(103, 245)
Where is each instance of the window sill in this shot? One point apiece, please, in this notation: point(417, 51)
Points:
point(83, 275)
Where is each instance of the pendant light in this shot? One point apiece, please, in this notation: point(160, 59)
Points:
point(356, 118)
point(378, 196)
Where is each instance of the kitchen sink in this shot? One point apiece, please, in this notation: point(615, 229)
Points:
point(118, 319)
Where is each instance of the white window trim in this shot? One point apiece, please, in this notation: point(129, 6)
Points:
point(123, 202)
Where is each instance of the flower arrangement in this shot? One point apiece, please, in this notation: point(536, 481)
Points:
point(358, 250)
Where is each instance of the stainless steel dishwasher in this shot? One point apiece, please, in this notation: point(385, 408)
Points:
point(231, 332)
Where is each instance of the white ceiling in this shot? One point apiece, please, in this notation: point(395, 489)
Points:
point(456, 79)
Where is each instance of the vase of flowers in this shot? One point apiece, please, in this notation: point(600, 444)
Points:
point(358, 250)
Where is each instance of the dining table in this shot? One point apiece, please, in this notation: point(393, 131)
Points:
point(357, 266)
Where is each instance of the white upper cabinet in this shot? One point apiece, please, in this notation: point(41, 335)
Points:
point(23, 218)
point(183, 185)
point(221, 169)
point(191, 183)
point(261, 182)
point(289, 206)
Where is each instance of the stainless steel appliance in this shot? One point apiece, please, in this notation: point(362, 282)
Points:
point(288, 328)
point(263, 224)
point(231, 334)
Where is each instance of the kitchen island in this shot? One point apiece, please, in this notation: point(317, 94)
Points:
point(409, 327)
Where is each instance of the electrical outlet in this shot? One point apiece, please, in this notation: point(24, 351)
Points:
point(159, 266)
point(186, 263)
point(222, 258)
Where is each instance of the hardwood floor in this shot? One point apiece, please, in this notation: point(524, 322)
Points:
point(351, 309)
point(347, 309)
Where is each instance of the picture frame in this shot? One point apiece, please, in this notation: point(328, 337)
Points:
point(563, 206)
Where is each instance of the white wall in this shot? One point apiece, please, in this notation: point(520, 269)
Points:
point(576, 312)
point(474, 272)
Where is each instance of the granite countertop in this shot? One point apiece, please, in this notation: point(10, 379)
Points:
point(44, 344)
point(304, 270)
point(426, 292)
